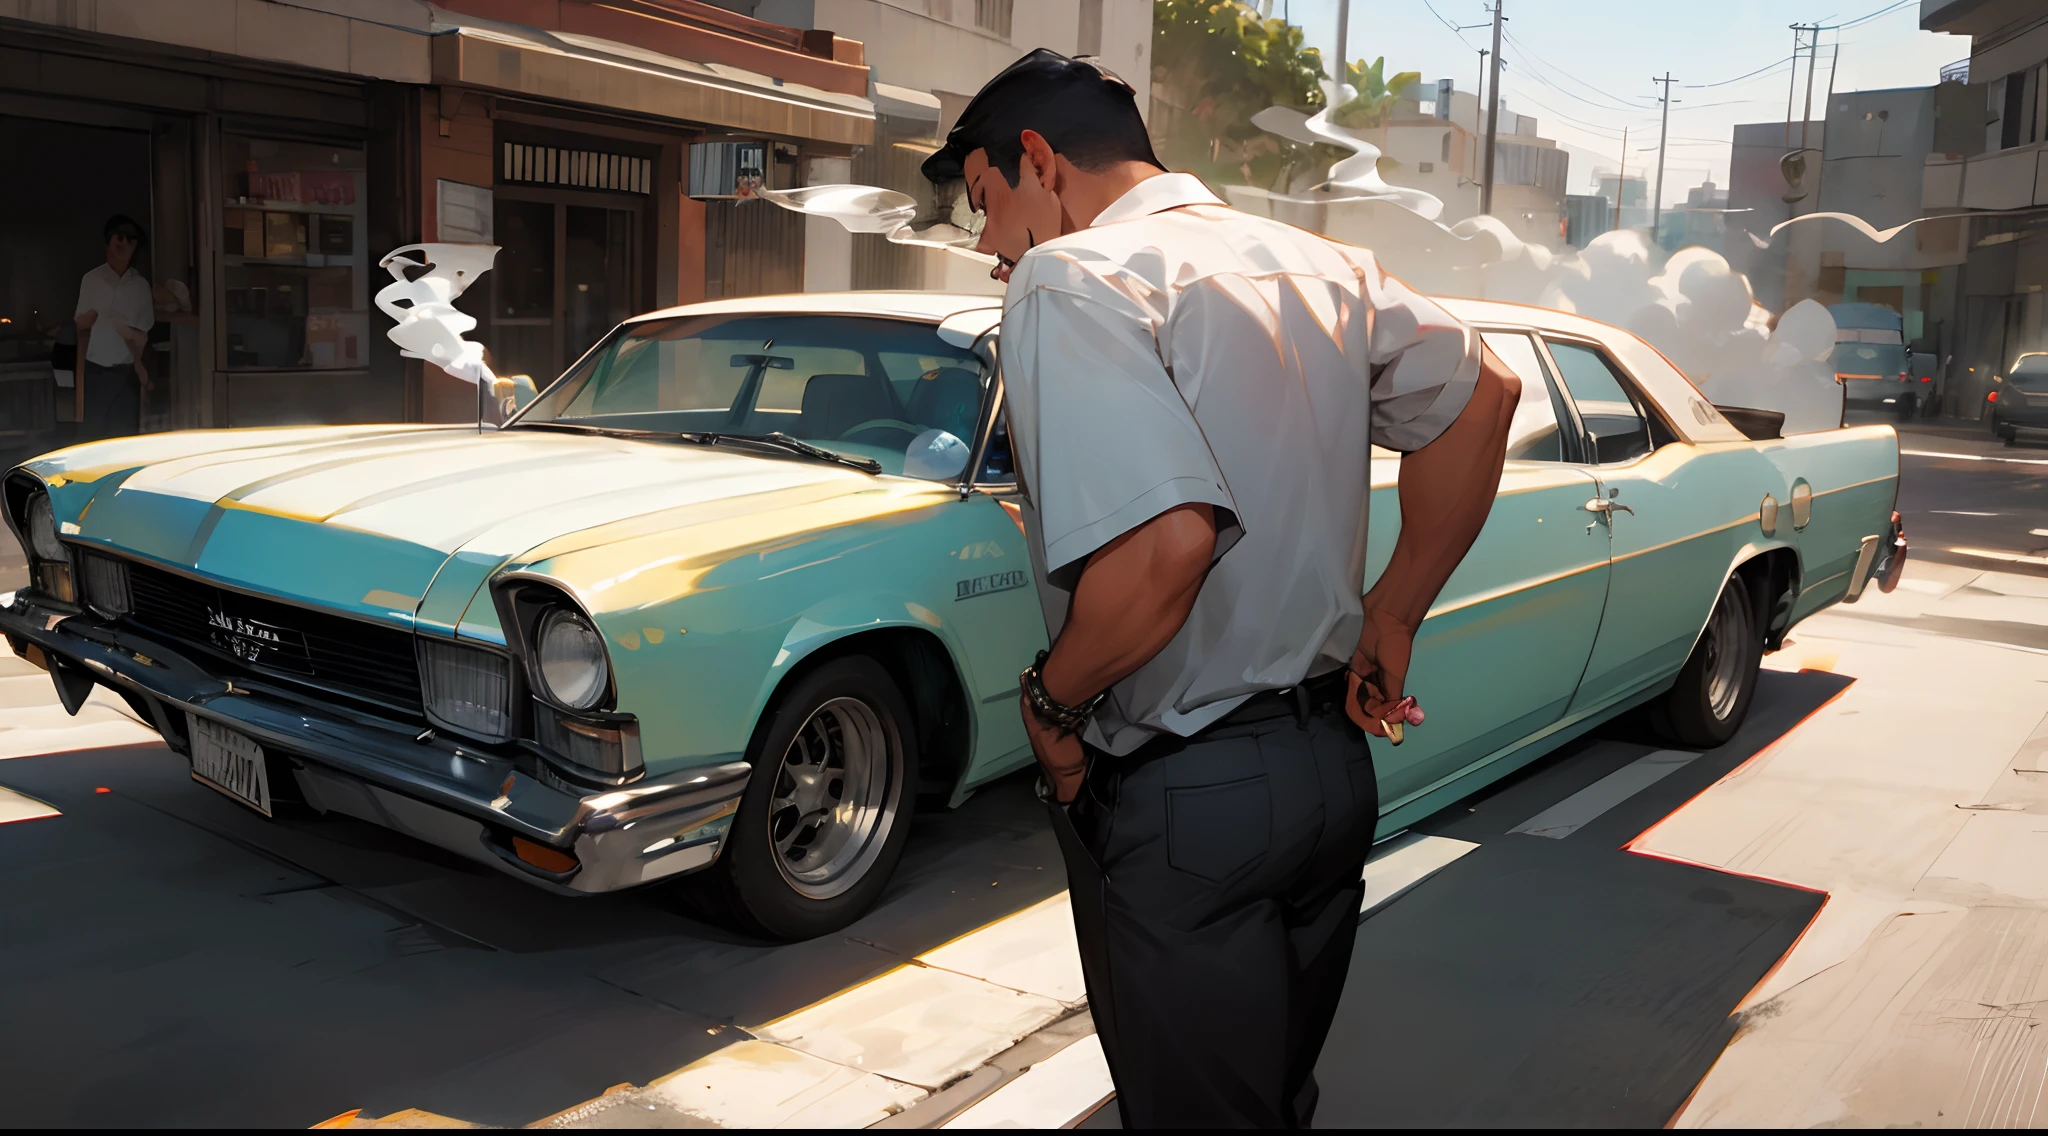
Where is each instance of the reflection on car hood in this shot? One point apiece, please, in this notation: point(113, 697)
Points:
point(370, 520)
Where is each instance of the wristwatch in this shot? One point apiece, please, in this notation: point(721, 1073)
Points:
point(1066, 719)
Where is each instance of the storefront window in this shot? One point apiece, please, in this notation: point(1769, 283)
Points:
point(295, 264)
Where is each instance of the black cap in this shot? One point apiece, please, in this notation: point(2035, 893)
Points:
point(1044, 91)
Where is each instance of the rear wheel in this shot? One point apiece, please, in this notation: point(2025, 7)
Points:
point(826, 813)
point(1707, 704)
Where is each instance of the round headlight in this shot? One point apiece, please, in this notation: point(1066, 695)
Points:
point(42, 529)
point(573, 665)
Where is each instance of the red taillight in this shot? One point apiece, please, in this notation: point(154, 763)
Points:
point(1992, 397)
point(1927, 378)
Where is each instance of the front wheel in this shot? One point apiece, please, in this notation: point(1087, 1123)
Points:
point(826, 813)
point(1909, 407)
point(1707, 704)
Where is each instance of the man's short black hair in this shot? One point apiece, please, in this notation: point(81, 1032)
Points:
point(123, 225)
point(1086, 114)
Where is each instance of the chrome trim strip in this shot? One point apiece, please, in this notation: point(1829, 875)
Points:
point(1861, 574)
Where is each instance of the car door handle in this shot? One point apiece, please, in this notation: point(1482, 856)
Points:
point(1608, 508)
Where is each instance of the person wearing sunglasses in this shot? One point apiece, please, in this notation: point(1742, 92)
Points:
point(1193, 394)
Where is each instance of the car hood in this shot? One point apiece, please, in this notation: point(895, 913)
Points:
point(403, 523)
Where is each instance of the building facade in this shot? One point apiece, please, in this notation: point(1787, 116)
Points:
point(273, 150)
point(1435, 140)
point(1994, 172)
point(926, 58)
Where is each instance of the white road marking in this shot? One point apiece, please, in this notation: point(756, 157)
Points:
point(2037, 532)
point(1973, 457)
point(757, 1084)
point(916, 1024)
point(1581, 808)
point(1404, 861)
point(1051, 1094)
point(1961, 513)
point(1033, 951)
point(2011, 557)
point(20, 806)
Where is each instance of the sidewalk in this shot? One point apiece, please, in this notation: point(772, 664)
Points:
point(1919, 801)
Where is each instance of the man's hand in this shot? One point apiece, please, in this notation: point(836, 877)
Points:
point(1379, 668)
point(1446, 491)
point(1059, 755)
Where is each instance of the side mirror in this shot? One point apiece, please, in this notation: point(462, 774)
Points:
point(523, 391)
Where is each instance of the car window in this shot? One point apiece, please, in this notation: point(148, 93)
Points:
point(1615, 424)
point(784, 390)
point(886, 389)
point(1534, 434)
point(997, 466)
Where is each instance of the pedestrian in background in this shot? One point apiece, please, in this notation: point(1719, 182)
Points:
point(115, 312)
point(1193, 394)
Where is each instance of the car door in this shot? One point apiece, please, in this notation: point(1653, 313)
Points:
point(1500, 654)
point(1666, 566)
point(997, 610)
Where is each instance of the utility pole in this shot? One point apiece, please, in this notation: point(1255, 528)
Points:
point(1479, 92)
point(1621, 178)
point(1792, 83)
point(1343, 37)
point(1663, 131)
point(1492, 116)
point(1812, 51)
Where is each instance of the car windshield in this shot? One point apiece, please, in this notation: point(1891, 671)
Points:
point(1872, 360)
point(885, 389)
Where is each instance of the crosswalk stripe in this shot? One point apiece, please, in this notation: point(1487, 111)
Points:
point(1583, 807)
point(1051, 1094)
point(20, 806)
point(1401, 862)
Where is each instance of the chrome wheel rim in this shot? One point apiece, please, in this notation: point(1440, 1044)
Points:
point(1728, 633)
point(835, 797)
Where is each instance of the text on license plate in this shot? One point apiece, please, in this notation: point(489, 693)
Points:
point(229, 762)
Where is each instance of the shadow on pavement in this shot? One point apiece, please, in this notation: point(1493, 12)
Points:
point(1563, 983)
point(175, 959)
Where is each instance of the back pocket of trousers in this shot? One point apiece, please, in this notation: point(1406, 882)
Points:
point(1215, 831)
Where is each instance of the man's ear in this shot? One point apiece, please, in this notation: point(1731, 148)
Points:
point(1038, 152)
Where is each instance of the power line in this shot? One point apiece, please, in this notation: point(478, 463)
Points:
point(1886, 11)
point(1543, 64)
point(1758, 73)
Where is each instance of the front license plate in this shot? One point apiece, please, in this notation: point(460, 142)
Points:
point(229, 762)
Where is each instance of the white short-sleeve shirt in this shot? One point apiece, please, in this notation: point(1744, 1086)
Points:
point(121, 301)
point(1180, 352)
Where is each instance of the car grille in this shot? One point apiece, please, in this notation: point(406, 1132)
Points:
point(296, 645)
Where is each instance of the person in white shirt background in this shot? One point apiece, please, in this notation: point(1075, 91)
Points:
point(115, 312)
point(1193, 394)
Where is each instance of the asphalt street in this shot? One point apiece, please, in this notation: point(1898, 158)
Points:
point(168, 957)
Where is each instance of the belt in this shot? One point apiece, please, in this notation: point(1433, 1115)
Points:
point(1307, 697)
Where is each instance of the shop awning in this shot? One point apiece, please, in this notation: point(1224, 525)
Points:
point(562, 67)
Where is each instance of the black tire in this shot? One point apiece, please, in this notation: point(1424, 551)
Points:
point(1711, 697)
point(1909, 407)
point(789, 870)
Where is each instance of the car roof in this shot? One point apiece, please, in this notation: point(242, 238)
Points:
point(1683, 404)
point(934, 307)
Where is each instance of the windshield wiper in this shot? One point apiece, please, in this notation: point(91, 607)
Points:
point(779, 441)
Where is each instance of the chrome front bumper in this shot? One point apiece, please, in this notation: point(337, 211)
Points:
point(442, 791)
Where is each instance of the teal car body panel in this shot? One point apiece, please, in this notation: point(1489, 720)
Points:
point(715, 575)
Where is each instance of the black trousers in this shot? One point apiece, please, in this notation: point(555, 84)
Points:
point(1216, 887)
point(113, 400)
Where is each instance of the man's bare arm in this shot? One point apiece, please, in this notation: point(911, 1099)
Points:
point(1447, 489)
point(1132, 599)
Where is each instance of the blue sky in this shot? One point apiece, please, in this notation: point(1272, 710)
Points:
point(1579, 66)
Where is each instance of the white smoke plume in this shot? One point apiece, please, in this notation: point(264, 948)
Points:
point(1690, 305)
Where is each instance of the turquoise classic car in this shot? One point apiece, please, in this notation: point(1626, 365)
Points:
point(747, 586)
